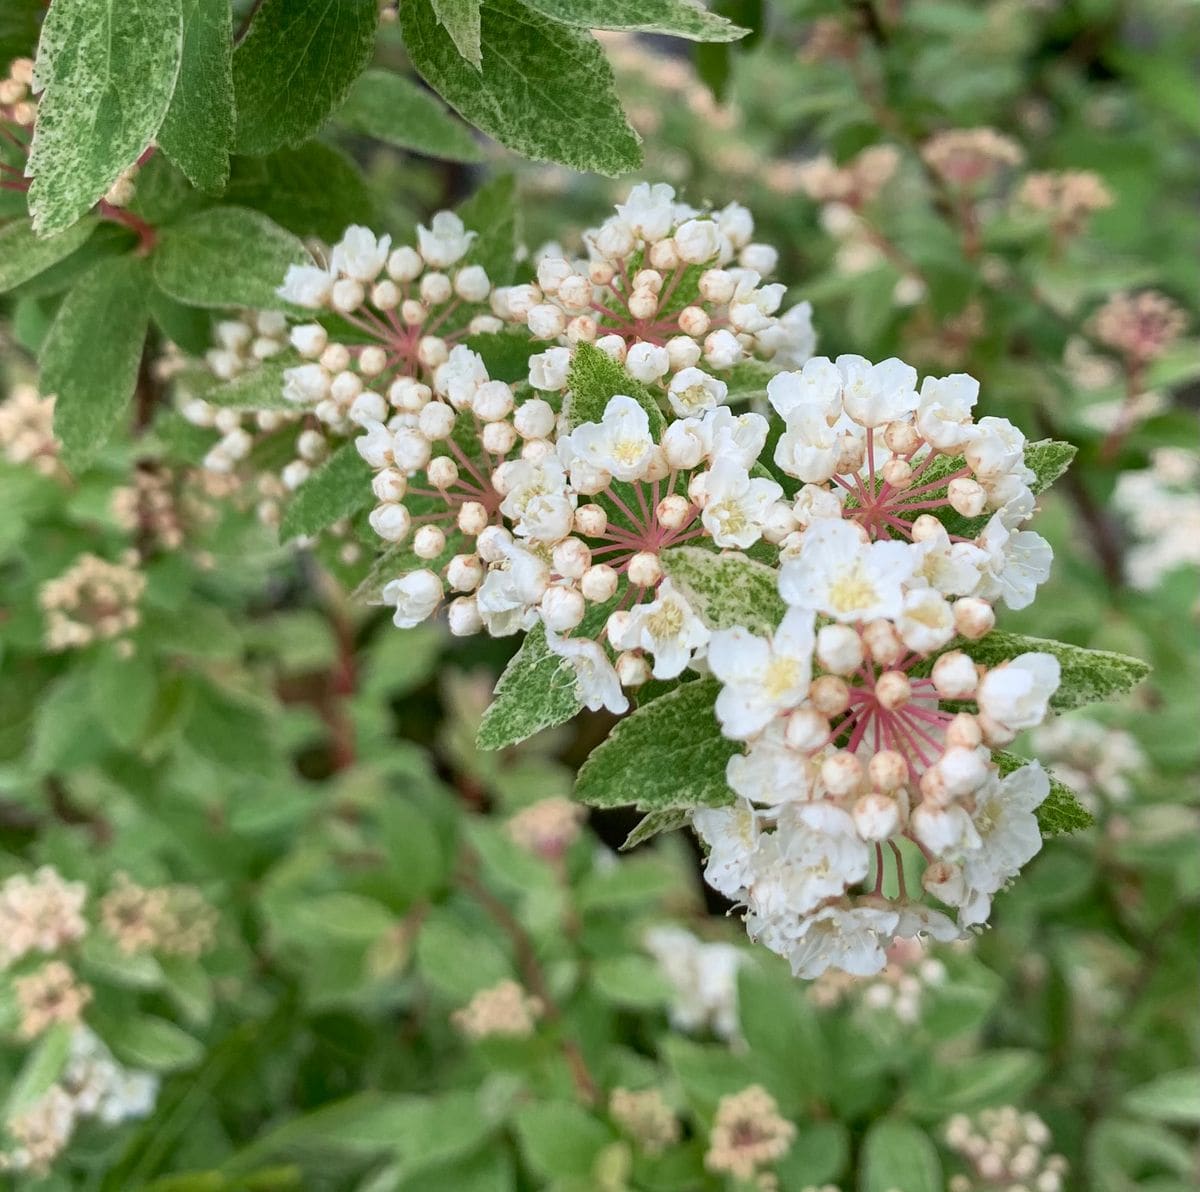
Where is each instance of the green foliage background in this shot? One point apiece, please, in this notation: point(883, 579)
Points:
point(315, 773)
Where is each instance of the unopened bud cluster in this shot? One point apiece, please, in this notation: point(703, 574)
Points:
point(1140, 327)
point(645, 1116)
point(548, 827)
point(504, 1009)
point(748, 1136)
point(18, 106)
point(27, 430)
point(969, 158)
point(1007, 1152)
point(93, 601)
point(898, 992)
point(172, 920)
point(1097, 761)
point(1161, 507)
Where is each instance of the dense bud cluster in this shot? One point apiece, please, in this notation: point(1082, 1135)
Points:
point(39, 913)
point(503, 1009)
point(1067, 198)
point(855, 184)
point(898, 991)
point(1139, 327)
point(1097, 761)
point(547, 828)
point(646, 1117)
point(27, 430)
point(748, 1135)
point(968, 158)
point(1007, 1152)
point(93, 601)
point(173, 920)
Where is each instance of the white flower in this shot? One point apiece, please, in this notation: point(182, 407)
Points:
point(837, 574)
point(791, 339)
point(445, 241)
point(649, 211)
point(918, 919)
point(306, 285)
point(761, 678)
point(732, 836)
point(596, 681)
point(1017, 563)
point(736, 506)
point(703, 979)
point(739, 437)
point(647, 362)
point(770, 772)
point(1009, 836)
point(926, 621)
point(669, 629)
point(692, 392)
point(813, 854)
point(995, 447)
point(944, 415)
point(877, 393)
point(736, 224)
point(548, 370)
point(697, 240)
point(847, 938)
point(816, 388)
point(459, 378)
point(620, 442)
point(359, 255)
point(306, 384)
point(1017, 694)
point(536, 499)
point(952, 568)
point(375, 444)
point(808, 449)
point(415, 596)
point(752, 309)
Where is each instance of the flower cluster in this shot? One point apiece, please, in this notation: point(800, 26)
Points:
point(91, 1085)
point(503, 1009)
point(646, 1117)
point(968, 158)
point(546, 828)
point(1066, 198)
point(27, 430)
point(1095, 760)
point(39, 913)
point(1006, 1150)
point(1139, 327)
point(703, 979)
point(748, 1135)
point(173, 920)
point(17, 104)
point(855, 184)
point(1162, 508)
point(93, 600)
point(49, 995)
point(898, 991)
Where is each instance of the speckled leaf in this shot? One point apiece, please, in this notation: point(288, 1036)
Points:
point(651, 825)
point(537, 690)
point(339, 488)
point(197, 134)
point(726, 589)
point(108, 71)
point(226, 256)
point(543, 89)
point(595, 378)
point(1088, 676)
point(1060, 812)
point(90, 358)
point(461, 19)
point(394, 109)
point(667, 755)
point(678, 18)
point(24, 255)
point(259, 389)
point(296, 65)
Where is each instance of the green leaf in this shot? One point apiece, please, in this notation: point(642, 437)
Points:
point(339, 488)
point(668, 754)
point(634, 981)
point(461, 19)
point(492, 212)
point(1060, 811)
point(676, 18)
point(258, 388)
point(594, 378)
point(537, 690)
point(296, 65)
point(123, 696)
point(1088, 676)
point(651, 825)
point(148, 1042)
point(1174, 1097)
point(226, 256)
point(344, 917)
point(456, 962)
point(108, 71)
point(545, 90)
point(899, 1157)
point(24, 255)
point(19, 23)
point(1049, 459)
point(726, 589)
point(559, 1140)
point(394, 109)
point(90, 357)
point(505, 353)
point(197, 134)
point(998, 1077)
point(42, 1067)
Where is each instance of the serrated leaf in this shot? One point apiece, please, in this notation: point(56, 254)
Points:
point(90, 358)
point(651, 825)
point(1060, 812)
point(669, 754)
point(226, 257)
point(1088, 676)
point(394, 109)
point(197, 133)
point(594, 378)
point(543, 89)
point(899, 1157)
point(108, 71)
point(296, 65)
point(726, 589)
point(339, 488)
point(493, 213)
point(461, 19)
point(537, 690)
point(24, 255)
point(675, 18)
point(259, 388)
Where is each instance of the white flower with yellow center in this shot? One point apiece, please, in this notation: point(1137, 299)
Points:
point(732, 835)
point(736, 506)
point(620, 443)
point(851, 939)
point(761, 677)
point(596, 681)
point(668, 628)
point(838, 574)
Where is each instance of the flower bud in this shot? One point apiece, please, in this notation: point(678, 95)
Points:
point(432, 351)
point(839, 649)
point(963, 770)
point(888, 771)
point(493, 400)
point(391, 522)
point(534, 419)
point(582, 329)
point(876, 816)
point(897, 473)
point(464, 573)
point(389, 485)
point(882, 642)
point(372, 360)
point(410, 449)
point(966, 496)
point(806, 730)
point(546, 321)
point(442, 471)
point(683, 352)
point(973, 617)
point(309, 339)
point(632, 669)
point(472, 284)
point(472, 519)
point(717, 286)
point(498, 438)
point(599, 582)
point(673, 512)
point(644, 569)
point(335, 358)
point(945, 882)
point(964, 732)
point(385, 295)
point(435, 288)
point(428, 542)
point(576, 292)
point(562, 609)
point(842, 773)
point(612, 346)
point(412, 312)
point(893, 690)
point(663, 255)
point(436, 421)
point(694, 320)
point(643, 304)
point(901, 438)
point(571, 558)
point(463, 617)
point(647, 362)
point(601, 273)
point(591, 520)
point(829, 695)
point(405, 264)
point(954, 676)
point(347, 295)
point(293, 475)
